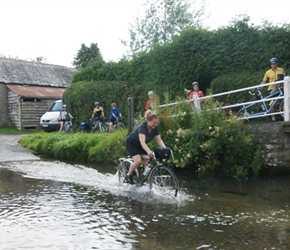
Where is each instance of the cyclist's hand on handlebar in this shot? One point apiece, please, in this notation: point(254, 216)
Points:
point(151, 154)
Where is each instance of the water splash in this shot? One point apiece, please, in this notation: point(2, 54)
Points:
point(82, 175)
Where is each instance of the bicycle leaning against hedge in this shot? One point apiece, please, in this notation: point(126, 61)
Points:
point(160, 177)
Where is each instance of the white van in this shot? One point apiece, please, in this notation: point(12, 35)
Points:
point(49, 121)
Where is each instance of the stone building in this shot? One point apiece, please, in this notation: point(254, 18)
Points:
point(27, 90)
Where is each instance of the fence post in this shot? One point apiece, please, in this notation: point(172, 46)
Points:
point(130, 115)
point(286, 98)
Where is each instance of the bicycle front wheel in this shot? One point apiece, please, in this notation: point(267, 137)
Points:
point(164, 181)
point(102, 127)
point(120, 125)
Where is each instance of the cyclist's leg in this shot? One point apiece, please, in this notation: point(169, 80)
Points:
point(61, 126)
point(111, 127)
point(145, 162)
point(136, 161)
point(271, 104)
point(164, 181)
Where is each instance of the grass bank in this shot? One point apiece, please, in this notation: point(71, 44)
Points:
point(15, 131)
point(85, 147)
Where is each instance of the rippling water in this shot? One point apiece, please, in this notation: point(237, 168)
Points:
point(54, 205)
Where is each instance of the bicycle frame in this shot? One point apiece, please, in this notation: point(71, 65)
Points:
point(67, 126)
point(267, 109)
point(159, 175)
point(97, 125)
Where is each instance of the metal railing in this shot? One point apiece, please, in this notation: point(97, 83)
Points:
point(286, 97)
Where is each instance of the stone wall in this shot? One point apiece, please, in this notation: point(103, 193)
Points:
point(274, 139)
point(4, 119)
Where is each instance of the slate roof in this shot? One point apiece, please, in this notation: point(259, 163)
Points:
point(32, 73)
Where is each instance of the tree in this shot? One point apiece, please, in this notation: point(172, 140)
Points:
point(163, 19)
point(87, 55)
point(40, 59)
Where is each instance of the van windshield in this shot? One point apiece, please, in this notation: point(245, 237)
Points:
point(57, 106)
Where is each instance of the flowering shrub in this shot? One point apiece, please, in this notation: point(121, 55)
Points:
point(209, 141)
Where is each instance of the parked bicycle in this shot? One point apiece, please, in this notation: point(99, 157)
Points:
point(265, 107)
point(160, 177)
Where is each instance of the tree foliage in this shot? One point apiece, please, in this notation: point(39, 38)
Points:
point(87, 55)
point(224, 59)
point(162, 21)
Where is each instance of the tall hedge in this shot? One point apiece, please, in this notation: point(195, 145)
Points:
point(229, 57)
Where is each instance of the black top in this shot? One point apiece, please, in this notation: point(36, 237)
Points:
point(133, 137)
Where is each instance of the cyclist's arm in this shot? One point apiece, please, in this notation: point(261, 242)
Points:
point(144, 145)
point(102, 114)
point(159, 141)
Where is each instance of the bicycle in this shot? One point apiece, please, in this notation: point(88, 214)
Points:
point(67, 126)
point(98, 125)
point(160, 177)
point(250, 110)
point(116, 124)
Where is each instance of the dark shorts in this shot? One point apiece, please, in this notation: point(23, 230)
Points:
point(63, 120)
point(134, 149)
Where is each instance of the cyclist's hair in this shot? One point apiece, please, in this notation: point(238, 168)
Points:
point(149, 115)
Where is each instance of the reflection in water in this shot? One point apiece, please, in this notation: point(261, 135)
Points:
point(53, 205)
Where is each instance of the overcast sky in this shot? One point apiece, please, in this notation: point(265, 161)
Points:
point(55, 29)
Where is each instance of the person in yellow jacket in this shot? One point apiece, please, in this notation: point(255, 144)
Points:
point(272, 75)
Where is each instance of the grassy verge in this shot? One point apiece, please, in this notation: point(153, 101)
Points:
point(15, 131)
point(86, 147)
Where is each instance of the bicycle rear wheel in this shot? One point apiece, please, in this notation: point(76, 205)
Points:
point(164, 181)
point(123, 169)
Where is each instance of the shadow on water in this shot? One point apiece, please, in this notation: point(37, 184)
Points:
point(56, 205)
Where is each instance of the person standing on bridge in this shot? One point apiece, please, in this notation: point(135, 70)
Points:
point(194, 95)
point(273, 75)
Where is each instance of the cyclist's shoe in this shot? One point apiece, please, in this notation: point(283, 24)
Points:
point(129, 179)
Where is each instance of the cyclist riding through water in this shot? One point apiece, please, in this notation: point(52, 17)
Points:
point(136, 143)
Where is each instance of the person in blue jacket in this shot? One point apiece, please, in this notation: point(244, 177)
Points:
point(114, 114)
